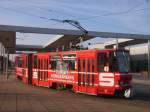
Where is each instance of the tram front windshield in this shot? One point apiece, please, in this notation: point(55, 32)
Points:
point(120, 61)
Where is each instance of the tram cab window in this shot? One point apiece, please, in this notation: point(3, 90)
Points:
point(102, 61)
point(113, 65)
point(119, 61)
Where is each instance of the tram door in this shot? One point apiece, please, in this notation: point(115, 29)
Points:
point(24, 68)
point(29, 62)
point(86, 75)
point(43, 70)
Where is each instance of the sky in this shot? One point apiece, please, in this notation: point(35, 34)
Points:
point(122, 16)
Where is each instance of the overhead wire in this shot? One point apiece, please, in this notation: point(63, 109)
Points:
point(24, 13)
point(45, 9)
point(79, 19)
point(107, 14)
point(50, 10)
point(94, 16)
point(53, 11)
point(132, 9)
point(29, 14)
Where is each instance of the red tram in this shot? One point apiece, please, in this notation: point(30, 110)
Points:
point(87, 71)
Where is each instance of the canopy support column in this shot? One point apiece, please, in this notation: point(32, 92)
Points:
point(7, 60)
point(148, 58)
point(117, 44)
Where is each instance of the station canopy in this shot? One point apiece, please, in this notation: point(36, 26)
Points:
point(8, 36)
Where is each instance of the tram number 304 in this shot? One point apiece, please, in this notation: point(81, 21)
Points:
point(106, 79)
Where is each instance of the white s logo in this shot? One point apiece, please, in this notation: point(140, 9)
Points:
point(106, 79)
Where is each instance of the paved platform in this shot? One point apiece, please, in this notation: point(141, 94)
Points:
point(140, 79)
point(18, 97)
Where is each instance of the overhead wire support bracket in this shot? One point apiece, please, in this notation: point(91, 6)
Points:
point(73, 23)
point(77, 25)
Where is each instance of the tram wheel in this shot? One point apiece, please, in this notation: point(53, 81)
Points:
point(59, 86)
point(128, 93)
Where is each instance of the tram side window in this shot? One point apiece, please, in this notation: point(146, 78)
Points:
point(53, 60)
point(71, 64)
point(19, 63)
point(35, 61)
point(53, 64)
point(93, 70)
point(39, 67)
point(102, 61)
point(88, 76)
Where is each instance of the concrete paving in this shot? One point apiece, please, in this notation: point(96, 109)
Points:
point(16, 96)
point(140, 79)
